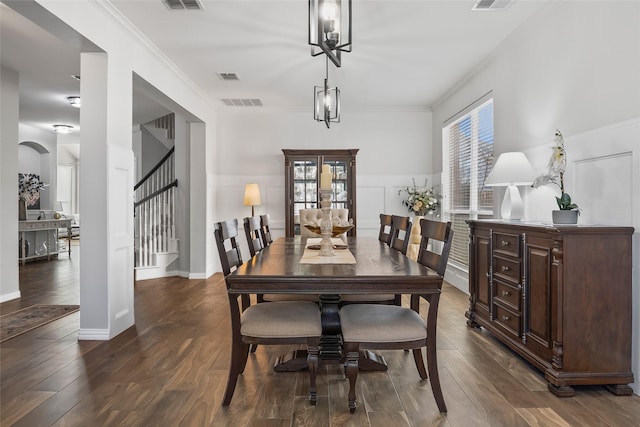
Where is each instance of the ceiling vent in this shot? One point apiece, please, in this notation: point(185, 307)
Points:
point(183, 4)
point(242, 102)
point(483, 5)
point(227, 76)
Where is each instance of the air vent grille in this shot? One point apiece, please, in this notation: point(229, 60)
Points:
point(482, 5)
point(242, 102)
point(228, 76)
point(183, 4)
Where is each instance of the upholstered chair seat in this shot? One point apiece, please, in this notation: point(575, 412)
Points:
point(281, 319)
point(381, 323)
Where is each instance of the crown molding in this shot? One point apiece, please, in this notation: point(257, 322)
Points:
point(108, 9)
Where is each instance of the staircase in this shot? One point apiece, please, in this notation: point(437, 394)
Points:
point(154, 216)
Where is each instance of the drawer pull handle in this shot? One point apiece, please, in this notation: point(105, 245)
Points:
point(506, 318)
point(504, 243)
point(505, 268)
point(506, 293)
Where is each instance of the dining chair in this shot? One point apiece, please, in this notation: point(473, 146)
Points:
point(267, 323)
point(253, 233)
point(384, 327)
point(265, 230)
point(400, 233)
point(385, 229)
point(314, 216)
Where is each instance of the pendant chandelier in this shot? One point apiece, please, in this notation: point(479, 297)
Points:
point(330, 28)
point(326, 101)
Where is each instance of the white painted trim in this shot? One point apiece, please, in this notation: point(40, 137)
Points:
point(458, 277)
point(9, 296)
point(197, 276)
point(93, 335)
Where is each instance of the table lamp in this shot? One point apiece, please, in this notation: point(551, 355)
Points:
point(511, 169)
point(252, 196)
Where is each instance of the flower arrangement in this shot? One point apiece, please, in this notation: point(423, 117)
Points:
point(421, 200)
point(555, 173)
point(29, 186)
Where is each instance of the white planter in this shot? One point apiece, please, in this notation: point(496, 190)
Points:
point(565, 217)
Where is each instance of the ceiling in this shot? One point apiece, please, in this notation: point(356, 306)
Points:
point(406, 53)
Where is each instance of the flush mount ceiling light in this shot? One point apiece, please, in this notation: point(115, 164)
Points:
point(330, 28)
point(326, 102)
point(62, 128)
point(74, 101)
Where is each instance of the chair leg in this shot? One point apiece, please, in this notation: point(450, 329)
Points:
point(417, 357)
point(312, 365)
point(353, 353)
point(432, 360)
point(245, 356)
point(235, 369)
point(253, 348)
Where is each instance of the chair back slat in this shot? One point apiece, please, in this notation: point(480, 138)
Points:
point(226, 233)
point(385, 228)
point(432, 232)
point(253, 234)
point(265, 230)
point(400, 224)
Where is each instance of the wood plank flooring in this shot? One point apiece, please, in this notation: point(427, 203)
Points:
point(171, 370)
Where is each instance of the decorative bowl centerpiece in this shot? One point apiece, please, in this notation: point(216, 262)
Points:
point(335, 232)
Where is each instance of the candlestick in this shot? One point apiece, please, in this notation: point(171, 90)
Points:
point(325, 178)
point(326, 225)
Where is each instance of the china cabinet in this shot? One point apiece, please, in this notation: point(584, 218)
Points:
point(302, 180)
point(559, 296)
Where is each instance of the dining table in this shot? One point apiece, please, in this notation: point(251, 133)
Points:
point(368, 266)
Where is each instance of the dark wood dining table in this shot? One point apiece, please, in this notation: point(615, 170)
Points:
point(378, 269)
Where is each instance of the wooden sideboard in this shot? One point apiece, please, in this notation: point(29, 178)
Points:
point(42, 231)
point(559, 296)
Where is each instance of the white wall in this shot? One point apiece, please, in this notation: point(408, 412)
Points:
point(9, 278)
point(395, 146)
point(42, 163)
point(574, 67)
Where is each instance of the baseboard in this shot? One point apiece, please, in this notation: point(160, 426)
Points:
point(93, 335)
point(198, 276)
point(458, 277)
point(9, 297)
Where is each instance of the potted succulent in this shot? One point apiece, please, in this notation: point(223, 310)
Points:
point(568, 211)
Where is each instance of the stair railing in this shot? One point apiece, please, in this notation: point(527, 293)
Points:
point(154, 211)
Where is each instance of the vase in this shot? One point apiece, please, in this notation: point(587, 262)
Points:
point(565, 216)
point(22, 209)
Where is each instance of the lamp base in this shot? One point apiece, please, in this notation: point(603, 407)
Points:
point(512, 206)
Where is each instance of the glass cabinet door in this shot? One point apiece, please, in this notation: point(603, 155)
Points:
point(302, 181)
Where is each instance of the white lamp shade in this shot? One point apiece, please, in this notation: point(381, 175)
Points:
point(252, 195)
point(512, 168)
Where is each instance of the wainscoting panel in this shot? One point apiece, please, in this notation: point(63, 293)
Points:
point(604, 189)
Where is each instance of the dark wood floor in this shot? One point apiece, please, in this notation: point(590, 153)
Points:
point(171, 368)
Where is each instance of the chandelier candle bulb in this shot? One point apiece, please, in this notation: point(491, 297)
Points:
point(325, 178)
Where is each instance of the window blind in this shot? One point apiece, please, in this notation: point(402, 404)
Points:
point(468, 152)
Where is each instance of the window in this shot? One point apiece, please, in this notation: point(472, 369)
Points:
point(467, 158)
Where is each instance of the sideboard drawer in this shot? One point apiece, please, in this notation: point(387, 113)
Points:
point(509, 321)
point(507, 244)
point(507, 269)
point(508, 295)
